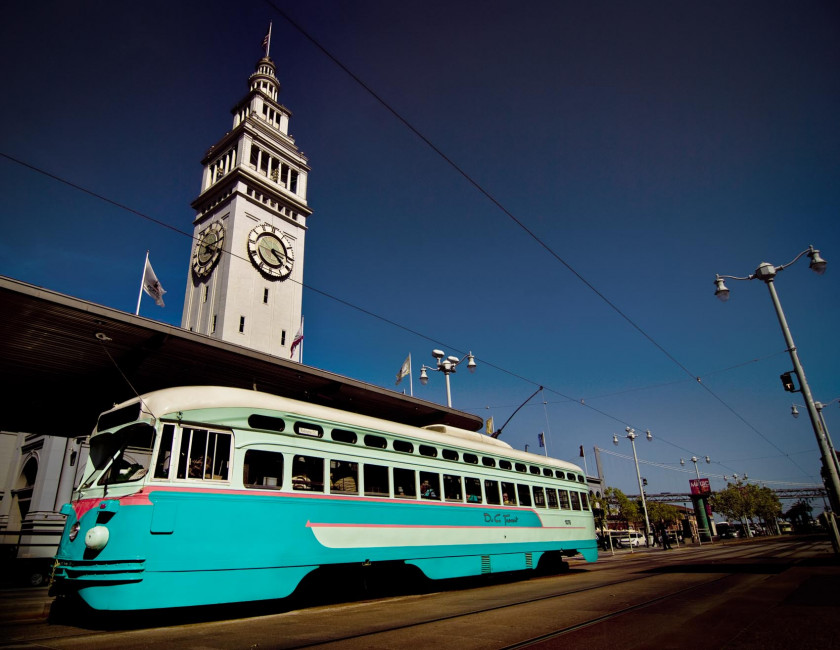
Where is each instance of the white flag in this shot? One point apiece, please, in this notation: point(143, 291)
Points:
point(405, 370)
point(151, 285)
point(298, 338)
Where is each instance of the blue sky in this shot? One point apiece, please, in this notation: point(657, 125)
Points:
point(646, 145)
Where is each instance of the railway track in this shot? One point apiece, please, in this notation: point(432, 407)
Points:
point(586, 602)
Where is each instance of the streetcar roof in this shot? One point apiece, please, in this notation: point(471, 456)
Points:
point(169, 401)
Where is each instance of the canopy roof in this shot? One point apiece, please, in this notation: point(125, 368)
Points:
point(66, 360)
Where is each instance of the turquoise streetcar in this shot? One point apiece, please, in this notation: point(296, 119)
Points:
point(202, 495)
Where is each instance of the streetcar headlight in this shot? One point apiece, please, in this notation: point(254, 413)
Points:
point(96, 538)
point(74, 530)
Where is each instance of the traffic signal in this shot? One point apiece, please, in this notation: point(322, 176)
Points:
point(644, 481)
point(787, 382)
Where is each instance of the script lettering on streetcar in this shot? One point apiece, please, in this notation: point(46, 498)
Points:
point(500, 518)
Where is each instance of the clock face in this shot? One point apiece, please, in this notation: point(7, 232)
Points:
point(271, 251)
point(208, 249)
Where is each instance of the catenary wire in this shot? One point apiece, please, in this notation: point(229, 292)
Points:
point(525, 228)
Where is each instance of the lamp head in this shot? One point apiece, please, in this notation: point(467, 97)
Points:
point(648, 435)
point(453, 360)
point(424, 378)
point(438, 354)
point(708, 460)
point(794, 411)
point(720, 289)
point(615, 440)
point(471, 362)
point(694, 459)
point(682, 461)
point(765, 272)
point(817, 264)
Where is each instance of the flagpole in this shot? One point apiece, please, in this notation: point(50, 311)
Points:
point(268, 48)
point(410, 378)
point(142, 279)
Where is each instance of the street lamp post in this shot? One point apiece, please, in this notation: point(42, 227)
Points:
point(694, 459)
point(820, 406)
point(766, 272)
point(631, 435)
point(700, 506)
point(447, 366)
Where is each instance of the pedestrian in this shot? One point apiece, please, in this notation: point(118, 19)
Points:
point(663, 531)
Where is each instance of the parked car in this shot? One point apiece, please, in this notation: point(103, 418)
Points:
point(631, 538)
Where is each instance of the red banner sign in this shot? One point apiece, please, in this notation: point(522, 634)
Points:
point(700, 486)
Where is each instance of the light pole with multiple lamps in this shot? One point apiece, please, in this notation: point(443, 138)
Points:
point(820, 406)
point(701, 511)
point(766, 272)
point(631, 435)
point(447, 366)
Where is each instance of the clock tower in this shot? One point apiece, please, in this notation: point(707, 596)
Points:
point(246, 268)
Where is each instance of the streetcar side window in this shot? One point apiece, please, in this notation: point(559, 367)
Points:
point(342, 435)
point(451, 487)
point(262, 469)
point(164, 457)
point(403, 446)
point(551, 493)
point(430, 485)
point(267, 422)
point(524, 494)
point(560, 474)
point(508, 494)
point(491, 491)
point(505, 464)
point(308, 473)
point(405, 484)
point(428, 450)
point(344, 477)
point(377, 442)
point(584, 499)
point(575, 500)
point(539, 497)
point(520, 467)
point(204, 455)
point(377, 483)
point(473, 489)
point(563, 496)
point(449, 454)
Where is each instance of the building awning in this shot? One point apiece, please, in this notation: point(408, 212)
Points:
point(65, 360)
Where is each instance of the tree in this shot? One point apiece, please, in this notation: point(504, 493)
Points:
point(768, 507)
point(744, 501)
point(662, 512)
point(617, 505)
point(800, 514)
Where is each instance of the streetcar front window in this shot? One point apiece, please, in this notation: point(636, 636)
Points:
point(121, 456)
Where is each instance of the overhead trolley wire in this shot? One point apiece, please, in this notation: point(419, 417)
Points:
point(522, 226)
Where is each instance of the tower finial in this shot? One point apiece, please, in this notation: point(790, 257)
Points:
point(267, 40)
